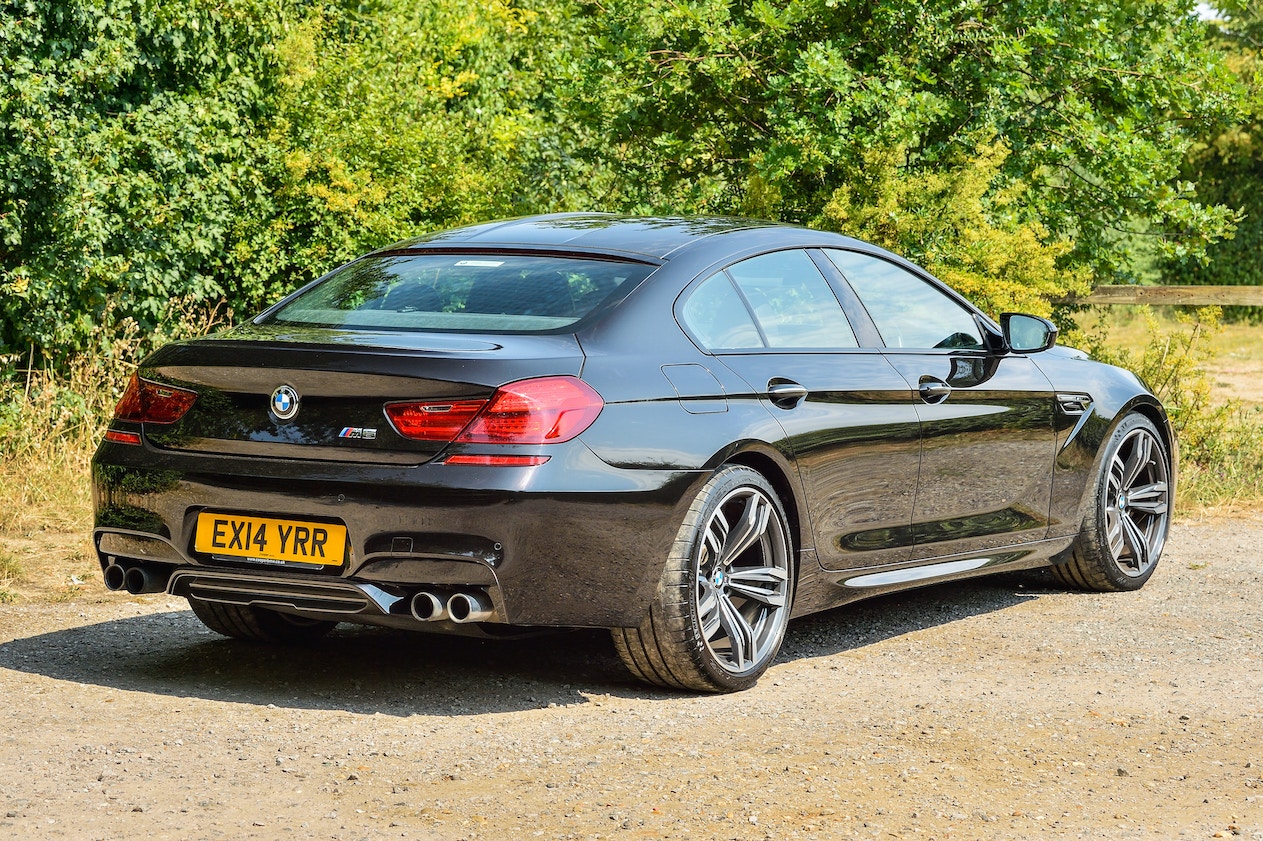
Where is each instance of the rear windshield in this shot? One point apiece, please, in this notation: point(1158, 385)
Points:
point(481, 293)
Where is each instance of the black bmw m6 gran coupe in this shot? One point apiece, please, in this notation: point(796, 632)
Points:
point(687, 431)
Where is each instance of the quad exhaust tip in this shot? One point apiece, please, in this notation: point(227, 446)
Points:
point(428, 607)
point(469, 607)
point(136, 579)
point(115, 577)
point(459, 607)
point(140, 579)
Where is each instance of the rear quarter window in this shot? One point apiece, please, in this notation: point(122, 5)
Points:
point(776, 301)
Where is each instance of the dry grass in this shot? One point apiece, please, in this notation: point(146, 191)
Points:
point(50, 432)
point(1235, 364)
point(10, 573)
point(1210, 376)
point(10, 569)
point(50, 425)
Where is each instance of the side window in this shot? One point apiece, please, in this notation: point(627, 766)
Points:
point(718, 317)
point(792, 301)
point(908, 311)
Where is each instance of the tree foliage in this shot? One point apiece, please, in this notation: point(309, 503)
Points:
point(949, 221)
point(129, 148)
point(1228, 165)
point(153, 150)
point(191, 150)
point(771, 108)
point(415, 115)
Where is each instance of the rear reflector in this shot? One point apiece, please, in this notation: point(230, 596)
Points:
point(150, 402)
point(548, 410)
point(119, 437)
point(496, 461)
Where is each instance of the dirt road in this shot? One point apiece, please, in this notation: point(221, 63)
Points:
point(1003, 709)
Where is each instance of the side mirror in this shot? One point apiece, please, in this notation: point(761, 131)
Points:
point(1027, 333)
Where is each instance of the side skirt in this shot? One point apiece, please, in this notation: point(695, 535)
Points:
point(824, 589)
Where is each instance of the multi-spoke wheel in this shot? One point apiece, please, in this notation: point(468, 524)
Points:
point(1126, 524)
point(724, 600)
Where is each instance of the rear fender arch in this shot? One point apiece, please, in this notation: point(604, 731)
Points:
point(782, 473)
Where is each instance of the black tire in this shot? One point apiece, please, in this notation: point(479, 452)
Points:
point(731, 569)
point(1126, 524)
point(259, 624)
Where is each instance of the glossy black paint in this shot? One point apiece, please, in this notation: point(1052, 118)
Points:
point(887, 484)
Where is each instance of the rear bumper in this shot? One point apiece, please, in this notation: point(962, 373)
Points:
point(573, 542)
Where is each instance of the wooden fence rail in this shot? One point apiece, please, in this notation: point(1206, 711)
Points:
point(1175, 296)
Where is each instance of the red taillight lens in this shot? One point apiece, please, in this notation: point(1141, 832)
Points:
point(150, 402)
point(129, 407)
point(432, 421)
point(550, 410)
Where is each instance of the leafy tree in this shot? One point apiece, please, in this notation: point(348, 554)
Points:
point(953, 220)
point(410, 116)
point(771, 107)
point(154, 151)
point(1228, 165)
point(129, 147)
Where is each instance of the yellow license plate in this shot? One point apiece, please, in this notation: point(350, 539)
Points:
point(268, 540)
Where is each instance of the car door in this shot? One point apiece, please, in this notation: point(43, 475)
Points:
point(847, 414)
point(987, 435)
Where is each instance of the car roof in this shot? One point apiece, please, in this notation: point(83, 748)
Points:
point(656, 237)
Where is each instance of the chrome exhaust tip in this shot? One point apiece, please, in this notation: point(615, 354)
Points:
point(469, 607)
point(427, 607)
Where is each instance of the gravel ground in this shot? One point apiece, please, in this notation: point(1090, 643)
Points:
point(1000, 709)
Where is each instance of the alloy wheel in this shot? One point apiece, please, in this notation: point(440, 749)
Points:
point(743, 580)
point(1137, 503)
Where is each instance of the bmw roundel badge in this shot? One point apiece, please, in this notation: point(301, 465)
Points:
point(285, 402)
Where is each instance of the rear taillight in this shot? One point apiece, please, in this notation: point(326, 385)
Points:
point(549, 410)
point(432, 421)
point(150, 402)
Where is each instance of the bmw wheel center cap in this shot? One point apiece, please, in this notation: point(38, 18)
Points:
point(285, 402)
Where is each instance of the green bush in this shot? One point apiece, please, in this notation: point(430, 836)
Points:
point(131, 143)
point(954, 222)
point(417, 115)
point(769, 108)
point(208, 149)
point(1228, 166)
point(1221, 448)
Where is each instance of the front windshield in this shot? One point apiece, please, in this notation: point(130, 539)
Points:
point(485, 293)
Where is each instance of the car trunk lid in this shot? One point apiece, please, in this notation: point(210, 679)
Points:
point(339, 382)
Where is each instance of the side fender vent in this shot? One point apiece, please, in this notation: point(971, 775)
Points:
point(1074, 404)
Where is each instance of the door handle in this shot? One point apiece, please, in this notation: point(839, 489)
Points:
point(934, 391)
point(785, 393)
